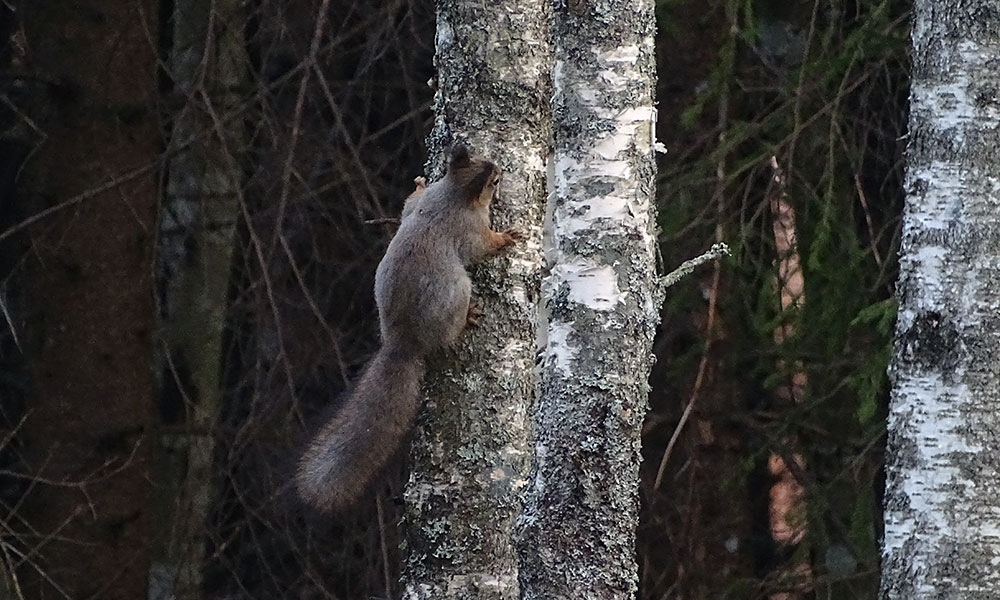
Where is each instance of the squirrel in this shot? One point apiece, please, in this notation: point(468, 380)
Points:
point(423, 295)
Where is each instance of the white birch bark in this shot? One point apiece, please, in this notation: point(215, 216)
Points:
point(209, 69)
point(942, 502)
point(577, 534)
point(471, 455)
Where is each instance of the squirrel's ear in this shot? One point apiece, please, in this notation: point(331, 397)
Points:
point(458, 157)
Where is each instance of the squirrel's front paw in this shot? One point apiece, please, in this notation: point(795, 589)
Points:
point(513, 236)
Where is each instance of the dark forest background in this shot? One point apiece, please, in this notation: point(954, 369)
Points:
point(119, 472)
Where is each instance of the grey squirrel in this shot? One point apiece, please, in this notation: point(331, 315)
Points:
point(423, 294)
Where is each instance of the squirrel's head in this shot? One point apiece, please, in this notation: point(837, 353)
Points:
point(476, 176)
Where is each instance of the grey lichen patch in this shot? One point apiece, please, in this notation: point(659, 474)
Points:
point(968, 235)
point(897, 579)
point(932, 342)
point(963, 560)
point(905, 453)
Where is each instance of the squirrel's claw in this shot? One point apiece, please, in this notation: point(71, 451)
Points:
point(472, 317)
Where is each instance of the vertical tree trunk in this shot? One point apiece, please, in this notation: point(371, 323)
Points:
point(577, 538)
point(471, 455)
point(91, 298)
point(787, 511)
point(208, 67)
point(941, 504)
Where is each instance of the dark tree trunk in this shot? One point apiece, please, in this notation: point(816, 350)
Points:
point(91, 298)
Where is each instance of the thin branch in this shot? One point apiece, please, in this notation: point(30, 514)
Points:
point(717, 251)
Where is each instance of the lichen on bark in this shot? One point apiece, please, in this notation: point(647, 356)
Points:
point(471, 454)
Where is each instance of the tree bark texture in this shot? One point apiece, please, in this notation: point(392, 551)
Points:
point(471, 455)
point(208, 67)
point(577, 534)
point(942, 538)
point(91, 304)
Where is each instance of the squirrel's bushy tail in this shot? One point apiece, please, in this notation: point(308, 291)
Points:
point(351, 450)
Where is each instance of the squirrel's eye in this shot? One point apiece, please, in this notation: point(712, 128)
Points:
point(496, 181)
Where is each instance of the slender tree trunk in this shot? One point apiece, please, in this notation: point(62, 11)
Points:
point(787, 511)
point(471, 455)
point(208, 68)
point(577, 537)
point(91, 298)
point(941, 503)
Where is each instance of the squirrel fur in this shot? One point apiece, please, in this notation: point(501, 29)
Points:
point(423, 294)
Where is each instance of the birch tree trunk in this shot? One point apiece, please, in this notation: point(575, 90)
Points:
point(471, 453)
point(577, 535)
point(942, 539)
point(208, 66)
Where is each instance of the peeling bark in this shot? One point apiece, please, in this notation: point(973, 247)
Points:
point(577, 534)
point(942, 539)
point(472, 449)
